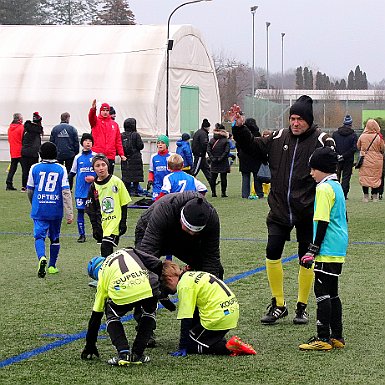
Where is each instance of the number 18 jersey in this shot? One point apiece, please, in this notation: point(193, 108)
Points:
point(47, 180)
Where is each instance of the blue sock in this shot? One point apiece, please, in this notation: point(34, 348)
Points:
point(81, 227)
point(40, 247)
point(53, 254)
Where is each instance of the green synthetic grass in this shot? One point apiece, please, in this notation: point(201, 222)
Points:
point(61, 304)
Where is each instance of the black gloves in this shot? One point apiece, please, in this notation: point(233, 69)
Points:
point(308, 259)
point(89, 351)
point(123, 221)
point(97, 234)
point(167, 304)
point(122, 228)
point(149, 185)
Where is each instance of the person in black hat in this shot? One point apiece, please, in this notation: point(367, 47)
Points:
point(48, 191)
point(327, 251)
point(85, 175)
point(291, 198)
point(346, 146)
point(185, 225)
point(199, 149)
point(33, 131)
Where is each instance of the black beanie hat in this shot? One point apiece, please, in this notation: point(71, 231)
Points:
point(304, 108)
point(324, 159)
point(195, 214)
point(48, 151)
point(112, 111)
point(185, 137)
point(205, 123)
point(86, 136)
point(100, 156)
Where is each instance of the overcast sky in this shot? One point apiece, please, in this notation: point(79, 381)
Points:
point(332, 36)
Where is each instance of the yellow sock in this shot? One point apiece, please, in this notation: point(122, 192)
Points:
point(275, 276)
point(305, 282)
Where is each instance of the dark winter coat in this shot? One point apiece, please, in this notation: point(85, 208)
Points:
point(249, 163)
point(31, 139)
point(159, 232)
point(132, 168)
point(218, 151)
point(199, 143)
point(66, 139)
point(292, 193)
point(346, 142)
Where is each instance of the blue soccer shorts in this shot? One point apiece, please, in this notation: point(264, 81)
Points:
point(43, 228)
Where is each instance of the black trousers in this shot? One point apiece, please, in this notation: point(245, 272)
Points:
point(344, 174)
point(200, 163)
point(146, 325)
point(12, 171)
point(26, 164)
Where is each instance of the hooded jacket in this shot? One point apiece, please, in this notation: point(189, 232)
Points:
point(184, 150)
point(346, 142)
point(291, 198)
point(218, 151)
point(31, 139)
point(199, 143)
point(106, 134)
point(15, 139)
point(132, 168)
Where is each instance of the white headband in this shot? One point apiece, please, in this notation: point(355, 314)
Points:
point(195, 229)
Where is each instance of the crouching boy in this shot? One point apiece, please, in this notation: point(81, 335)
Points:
point(124, 281)
point(208, 309)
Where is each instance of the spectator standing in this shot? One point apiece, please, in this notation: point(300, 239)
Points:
point(371, 145)
point(218, 151)
point(291, 198)
point(346, 146)
point(248, 164)
point(33, 131)
point(132, 167)
point(66, 139)
point(106, 134)
point(183, 149)
point(15, 138)
point(199, 150)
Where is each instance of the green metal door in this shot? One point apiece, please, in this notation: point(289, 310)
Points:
point(189, 109)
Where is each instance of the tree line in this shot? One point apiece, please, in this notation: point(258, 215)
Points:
point(55, 12)
point(304, 80)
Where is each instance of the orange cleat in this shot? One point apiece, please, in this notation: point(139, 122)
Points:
point(238, 347)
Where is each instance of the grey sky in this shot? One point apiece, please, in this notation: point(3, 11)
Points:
point(332, 36)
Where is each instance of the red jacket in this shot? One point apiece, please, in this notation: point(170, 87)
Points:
point(15, 137)
point(106, 134)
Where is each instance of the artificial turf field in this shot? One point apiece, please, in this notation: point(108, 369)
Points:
point(43, 321)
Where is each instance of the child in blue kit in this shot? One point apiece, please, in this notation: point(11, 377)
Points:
point(183, 149)
point(157, 169)
point(85, 175)
point(327, 251)
point(178, 180)
point(49, 192)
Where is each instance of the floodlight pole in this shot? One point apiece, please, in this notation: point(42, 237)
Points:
point(267, 73)
point(170, 44)
point(253, 9)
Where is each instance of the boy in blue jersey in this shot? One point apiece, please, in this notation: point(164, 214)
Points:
point(85, 175)
point(327, 251)
point(178, 180)
point(183, 148)
point(157, 169)
point(49, 192)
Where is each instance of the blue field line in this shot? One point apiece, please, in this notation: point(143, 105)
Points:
point(222, 238)
point(65, 339)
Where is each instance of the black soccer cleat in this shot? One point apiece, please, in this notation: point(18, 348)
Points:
point(137, 360)
point(301, 316)
point(274, 313)
point(81, 239)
